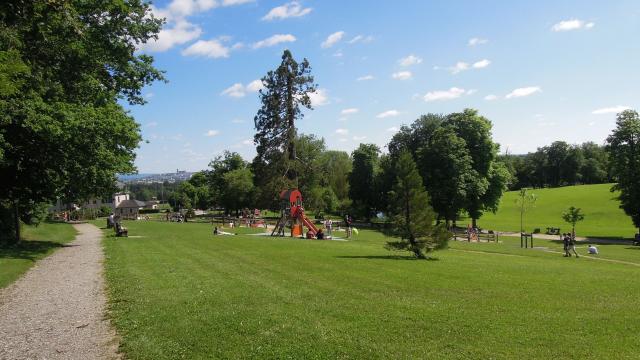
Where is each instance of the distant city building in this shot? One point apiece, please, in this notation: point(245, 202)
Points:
point(178, 176)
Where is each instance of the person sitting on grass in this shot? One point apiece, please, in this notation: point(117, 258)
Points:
point(592, 250)
point(320, 235)
point(215, 230)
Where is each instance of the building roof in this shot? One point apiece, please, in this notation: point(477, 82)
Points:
point(130, 203)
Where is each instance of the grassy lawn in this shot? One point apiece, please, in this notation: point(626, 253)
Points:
point(38, 242)
point(176, 291)
point(603, 218)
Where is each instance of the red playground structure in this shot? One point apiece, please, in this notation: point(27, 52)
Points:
point(292, 215)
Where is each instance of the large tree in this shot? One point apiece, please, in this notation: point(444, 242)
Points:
point(488, 179)
point(624, 152)
point(285, 93)
point(445, 166)
point(412, 216)
point(362, 179)
point(63, 67)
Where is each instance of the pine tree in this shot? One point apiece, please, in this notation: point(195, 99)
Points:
point(413, 217)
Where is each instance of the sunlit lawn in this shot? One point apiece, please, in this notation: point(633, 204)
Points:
point(176, 291)
point(38, 242)
point(603, 217)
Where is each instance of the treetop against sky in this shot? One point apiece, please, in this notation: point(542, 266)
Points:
point(540, 71)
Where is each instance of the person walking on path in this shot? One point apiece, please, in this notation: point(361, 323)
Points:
point(565, 245)
point(572, 246)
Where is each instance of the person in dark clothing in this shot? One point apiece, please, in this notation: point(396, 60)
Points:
point(572, 246)
point(320, 235)
point(565, 243)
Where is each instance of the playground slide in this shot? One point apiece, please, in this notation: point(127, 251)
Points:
point(308, 223)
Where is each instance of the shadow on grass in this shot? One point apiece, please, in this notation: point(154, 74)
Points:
point(29, 249)
point(385, 257)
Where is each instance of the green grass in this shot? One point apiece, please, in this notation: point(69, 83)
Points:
point(603, 217)
point(176, 291)
point(38, 242)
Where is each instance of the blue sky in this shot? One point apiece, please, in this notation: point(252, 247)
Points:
point(539, 70)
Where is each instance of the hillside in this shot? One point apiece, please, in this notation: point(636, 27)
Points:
point(603, 218)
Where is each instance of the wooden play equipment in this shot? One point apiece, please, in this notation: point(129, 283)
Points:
point(292, 215)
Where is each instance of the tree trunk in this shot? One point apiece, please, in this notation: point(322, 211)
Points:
point(416, 250)
point(474, 223)
point(16, 218)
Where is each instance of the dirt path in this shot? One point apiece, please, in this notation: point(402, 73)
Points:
point(56, 310)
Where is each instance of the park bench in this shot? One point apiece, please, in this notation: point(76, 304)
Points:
point(121, 231)
point(553, 231)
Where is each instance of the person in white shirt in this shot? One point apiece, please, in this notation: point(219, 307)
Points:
point(329, 225)
point(592, 250)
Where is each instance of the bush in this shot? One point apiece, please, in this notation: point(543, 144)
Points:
point(105, 211)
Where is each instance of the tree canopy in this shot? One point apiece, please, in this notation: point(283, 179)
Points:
point(412, 216)
point(623, 146)
point(63, 67)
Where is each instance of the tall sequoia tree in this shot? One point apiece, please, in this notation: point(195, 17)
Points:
point(623, 146)
point(286, 91)
point(63, 67)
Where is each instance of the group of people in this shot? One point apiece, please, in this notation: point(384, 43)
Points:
point(569, 243)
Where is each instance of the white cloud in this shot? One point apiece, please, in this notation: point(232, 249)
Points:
point(402, 75)
point(237, 121)
point(319, 97)
point(178, 29)
point(477, 41)
point(491, 97)
point(361, 38)
point(481, 64)
point(209, 48)
point(151, 124)
point(342, 131)
point(274, 40)
point(359, 138)
point(573, 24)
point(236, 90)
point(388, 113)
point(410, 60)
point(611, 110)
point(458, 67)
point(292, 9)
point(525, 91)
point(365, 77)
point(332, 39)
point(255, 86)
point(471, 91)
point(393, 129)
point(338, 54)
point(247, 142)
point(180, 33)
point(438, 95)
point(349, 111)
point(212, 133)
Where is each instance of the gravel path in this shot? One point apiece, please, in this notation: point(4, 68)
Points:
point(56, 310)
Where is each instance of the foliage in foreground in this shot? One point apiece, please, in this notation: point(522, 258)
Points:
point(64, 65)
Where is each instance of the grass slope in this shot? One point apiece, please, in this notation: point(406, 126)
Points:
point(603, 217)
point(179, 292)
point(38, 242)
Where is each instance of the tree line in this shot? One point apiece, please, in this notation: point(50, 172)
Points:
point(559, 164)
